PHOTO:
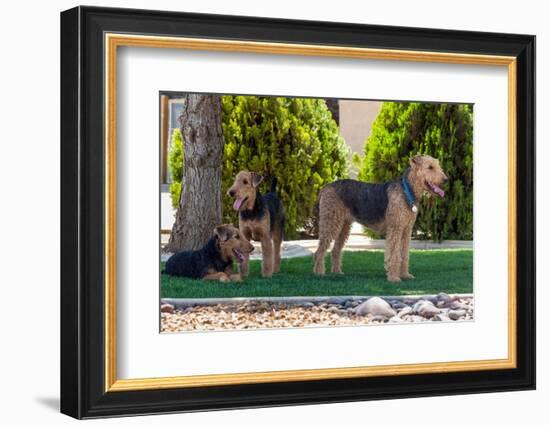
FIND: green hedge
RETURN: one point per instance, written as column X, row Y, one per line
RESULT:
column 294, row 139
column 444, row 131
column 175, row 165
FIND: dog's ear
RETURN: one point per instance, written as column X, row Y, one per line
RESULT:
column 221, row 233
column 256, row 179
column 415, row 161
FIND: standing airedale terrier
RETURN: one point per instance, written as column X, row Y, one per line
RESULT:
column 261, row 218
column 387, row 208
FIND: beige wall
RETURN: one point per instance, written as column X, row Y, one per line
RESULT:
column 356, row 118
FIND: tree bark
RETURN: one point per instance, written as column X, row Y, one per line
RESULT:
column 334, row 108
column 200, row 206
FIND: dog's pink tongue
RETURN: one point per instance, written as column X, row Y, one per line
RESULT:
column 438, row 190
column 237, row 204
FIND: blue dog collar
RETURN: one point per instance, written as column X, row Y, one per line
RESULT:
column 409, row 195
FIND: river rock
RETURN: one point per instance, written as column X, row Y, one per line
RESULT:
column 457, row 305
column 375, row 306
column 404, row 312
column 457, row 314
column 350, row 304
column 398, row 305
column 430, row 298
column 442, row 300
column 426, row 309
column 337, row 300
column 167, row 308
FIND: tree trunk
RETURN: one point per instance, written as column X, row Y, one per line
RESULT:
column 200, row 207
column 334, row 108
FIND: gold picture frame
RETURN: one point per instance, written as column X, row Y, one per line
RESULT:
column 114, row 41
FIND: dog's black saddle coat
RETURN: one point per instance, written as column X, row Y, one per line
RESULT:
column 195, row 264
column 367, row 202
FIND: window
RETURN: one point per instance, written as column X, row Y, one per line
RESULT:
column 171, row 110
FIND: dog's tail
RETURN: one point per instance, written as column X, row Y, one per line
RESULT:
column 273, row 184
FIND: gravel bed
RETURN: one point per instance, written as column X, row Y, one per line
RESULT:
column 340, row 311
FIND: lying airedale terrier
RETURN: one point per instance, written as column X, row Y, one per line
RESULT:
column 261, row 218
column 215, row 260
column 387, row 208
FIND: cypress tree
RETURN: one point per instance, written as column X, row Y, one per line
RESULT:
column 293, row 139
column 444, row 131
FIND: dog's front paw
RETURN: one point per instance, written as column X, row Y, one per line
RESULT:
column 407, row 276
column 224, row 278
column 243, row 269
column 319, row 269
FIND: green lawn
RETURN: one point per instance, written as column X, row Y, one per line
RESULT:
column 436, row 271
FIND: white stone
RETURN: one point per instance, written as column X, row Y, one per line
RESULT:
column 375, row 306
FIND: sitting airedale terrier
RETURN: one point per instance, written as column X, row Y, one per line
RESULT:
column 387, row 208
column 215, row 260
column 261, row 218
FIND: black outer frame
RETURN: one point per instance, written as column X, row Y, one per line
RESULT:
column 82, row 207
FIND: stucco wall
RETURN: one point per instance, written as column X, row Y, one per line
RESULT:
column 356, row 118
